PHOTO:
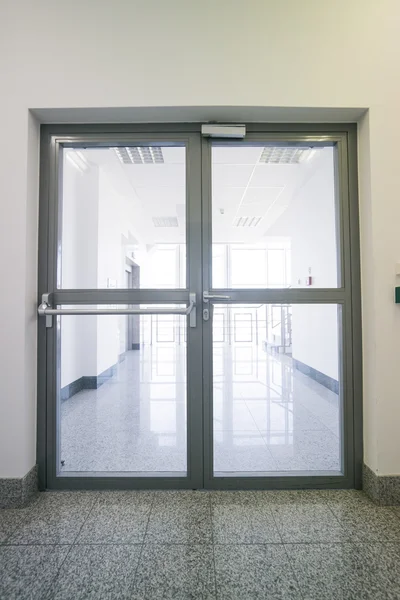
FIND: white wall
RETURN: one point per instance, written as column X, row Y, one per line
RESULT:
column 78, row 268
column 95, row 222
column 253, row 53
column 315, row 337
column 115, row 216
column 310, row 224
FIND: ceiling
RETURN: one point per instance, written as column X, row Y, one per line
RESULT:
column 248, row 197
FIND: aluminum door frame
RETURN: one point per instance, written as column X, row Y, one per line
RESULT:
column 348, row 296
column 53, row 139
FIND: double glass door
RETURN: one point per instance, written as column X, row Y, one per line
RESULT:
column 197, row 310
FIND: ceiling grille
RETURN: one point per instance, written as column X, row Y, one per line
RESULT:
column 139, row 155
column 246, row 221
column 165, row 221
column 278, row 155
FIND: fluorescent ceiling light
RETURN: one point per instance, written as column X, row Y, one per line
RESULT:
column 246, row 221
column 77, row 159
column 281, row 155
column 139, row 155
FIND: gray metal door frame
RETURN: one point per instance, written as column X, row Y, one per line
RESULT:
column 344, row 139
column 199, row 370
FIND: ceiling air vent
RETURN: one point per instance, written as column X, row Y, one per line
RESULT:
column 279, row 155
column 246, row 221
column 139, row 155
column 165, row 221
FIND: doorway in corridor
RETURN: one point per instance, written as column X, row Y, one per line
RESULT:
column 199, row 308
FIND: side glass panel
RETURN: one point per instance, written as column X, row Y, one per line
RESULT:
column 274, row 217
column 123, row 207
column 121, row 395
column 277, row 402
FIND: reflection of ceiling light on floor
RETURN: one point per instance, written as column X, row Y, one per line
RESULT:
column 165, row 222
column 139, row 155
column 77, row 159
column 246, row 221
column 279, row 155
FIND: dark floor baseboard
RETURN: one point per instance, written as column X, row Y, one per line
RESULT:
column 325, row 380
column 384, row 489
column 87, row 382
column 15, row 493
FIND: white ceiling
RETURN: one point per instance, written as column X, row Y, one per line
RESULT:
column 241, row 187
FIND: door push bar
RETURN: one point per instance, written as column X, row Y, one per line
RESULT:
column 45, row 310
column 207, row 296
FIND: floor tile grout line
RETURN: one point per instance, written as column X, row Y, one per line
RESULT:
column 52, row 589
column 213, row 546
column 132, row 587
column 286, row 553
column 30, row 503
column 262, row 437
column 350, row 540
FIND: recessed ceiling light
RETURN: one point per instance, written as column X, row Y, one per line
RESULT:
column 281, row 155
column 246, row 221
column 139, row 155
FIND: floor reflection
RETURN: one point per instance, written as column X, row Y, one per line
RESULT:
column 268, row 417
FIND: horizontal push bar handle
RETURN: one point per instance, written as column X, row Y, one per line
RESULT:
column 46, row 310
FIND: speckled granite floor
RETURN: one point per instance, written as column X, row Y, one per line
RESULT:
column 268, row 416
column 200, row 545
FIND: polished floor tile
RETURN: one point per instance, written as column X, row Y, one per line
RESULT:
column 293, row 498
column 243, row 452
column 396, row 510
column 268, row 417
column 285, row 416
column 180, row 518
column 346, row 498
column 9, row 520
column 254, row 572
column 53, row 518
column 233, row 416
column 97, row 573
column 117, row 518
column 173, row 571
column 308, row 523
column 242, row 518
column 368, row 522
column 303, row 450
column 347, row 571
column 27, row 572
column 305, row 545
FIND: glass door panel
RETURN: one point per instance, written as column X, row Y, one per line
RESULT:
column 274, row 216
column 123, row 205
column 121, row 395
column 277, row 402
column 275, row 309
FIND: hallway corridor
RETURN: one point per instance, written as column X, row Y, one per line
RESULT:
column 268, row 416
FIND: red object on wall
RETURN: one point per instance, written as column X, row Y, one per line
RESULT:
column 309, row 280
